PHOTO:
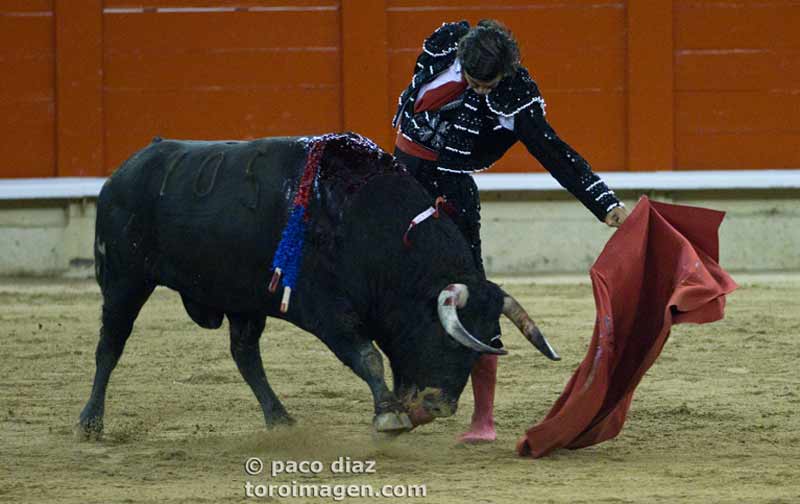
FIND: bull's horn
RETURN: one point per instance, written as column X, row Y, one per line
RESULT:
column 452, row 297
column 517, row 314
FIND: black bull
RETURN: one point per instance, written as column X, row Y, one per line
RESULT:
column 205, row 219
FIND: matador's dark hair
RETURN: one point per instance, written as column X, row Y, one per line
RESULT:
column 488, row 50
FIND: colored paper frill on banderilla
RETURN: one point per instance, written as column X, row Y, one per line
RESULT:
column 658, row 269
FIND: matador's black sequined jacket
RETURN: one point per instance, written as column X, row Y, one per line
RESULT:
column 467, row 133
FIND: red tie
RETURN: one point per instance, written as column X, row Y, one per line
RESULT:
column 435, row 98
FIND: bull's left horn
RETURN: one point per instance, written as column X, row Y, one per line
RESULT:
column 452, row 297
column 517, row 314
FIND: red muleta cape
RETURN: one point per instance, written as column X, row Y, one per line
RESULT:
column 658, row 269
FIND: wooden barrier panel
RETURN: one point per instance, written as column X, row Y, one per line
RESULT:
column 655, row 85
column 651, row 104
column 365, row 70
column 219, row 70
column 27, row 89
column 79, row 88
column 737, row 79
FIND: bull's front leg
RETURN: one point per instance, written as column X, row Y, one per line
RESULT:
column 366, row 362
column 389, row 414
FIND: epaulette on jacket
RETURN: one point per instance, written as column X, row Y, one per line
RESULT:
column 445, row 39
column 438, row 53
column 514, row 94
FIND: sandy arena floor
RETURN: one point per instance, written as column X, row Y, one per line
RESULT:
column 714, row 421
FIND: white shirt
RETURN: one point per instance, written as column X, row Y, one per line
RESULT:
column 453, row 74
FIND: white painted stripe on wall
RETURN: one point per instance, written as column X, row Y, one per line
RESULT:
column 659, row 180
column 50, row 188
column 89, row 187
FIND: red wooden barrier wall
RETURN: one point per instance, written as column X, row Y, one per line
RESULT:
column 737, row 84
column 27, row 89
column 632, row 85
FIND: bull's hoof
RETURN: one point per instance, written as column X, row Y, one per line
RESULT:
column 89, row 429
column 391, row 422
column 280, row 421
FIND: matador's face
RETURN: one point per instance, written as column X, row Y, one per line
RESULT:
column 482, row 87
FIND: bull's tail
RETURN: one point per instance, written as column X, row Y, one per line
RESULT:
column 120, row 242
column 100, row 238
column 124, row 207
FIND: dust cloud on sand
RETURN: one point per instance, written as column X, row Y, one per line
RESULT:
column 715, row 419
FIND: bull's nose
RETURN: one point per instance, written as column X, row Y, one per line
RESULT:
column 420, row 416
column 440, row 407
column 430, row 409
column 437, row 403
column 426, row 405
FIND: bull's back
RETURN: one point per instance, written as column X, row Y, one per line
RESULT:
column 209, row 213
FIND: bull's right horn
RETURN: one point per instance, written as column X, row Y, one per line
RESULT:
column 452, row 297
column 517, row 314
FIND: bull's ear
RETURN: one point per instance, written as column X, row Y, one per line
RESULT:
column 494, row 296
column 496, row 289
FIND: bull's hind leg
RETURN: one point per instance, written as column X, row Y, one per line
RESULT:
column 121, row 304
column 246, row 331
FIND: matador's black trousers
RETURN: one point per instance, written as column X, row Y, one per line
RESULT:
column 459, row 190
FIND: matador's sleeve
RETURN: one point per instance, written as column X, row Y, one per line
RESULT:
column 517, row 102
column 568, row 167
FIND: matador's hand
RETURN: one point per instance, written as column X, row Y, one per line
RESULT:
column 616, row 217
